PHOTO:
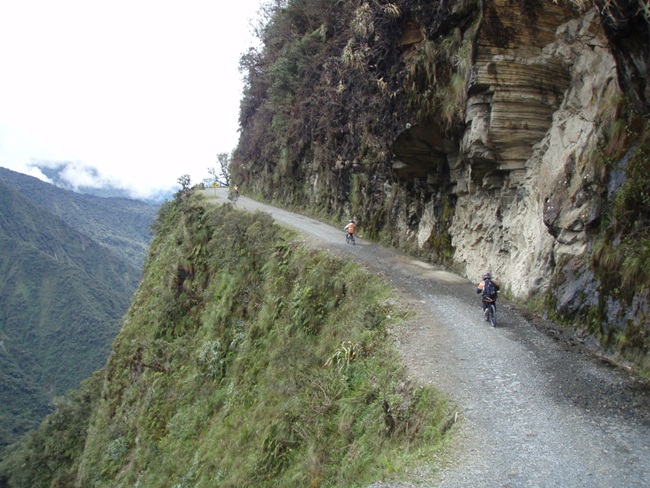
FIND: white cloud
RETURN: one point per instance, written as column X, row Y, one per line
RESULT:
column 142, row 90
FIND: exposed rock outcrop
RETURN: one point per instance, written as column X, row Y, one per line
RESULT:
column 515, row 89
column 539, row 210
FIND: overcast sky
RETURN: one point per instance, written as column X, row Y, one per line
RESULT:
column 144, row 91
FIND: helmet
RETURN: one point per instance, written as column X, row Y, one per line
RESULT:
column 487, row 276
column 351, row 222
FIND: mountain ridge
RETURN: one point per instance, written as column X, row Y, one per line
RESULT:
column 128, row 219
column 248, row 358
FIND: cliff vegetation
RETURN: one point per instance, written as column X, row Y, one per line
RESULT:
column 244, row 360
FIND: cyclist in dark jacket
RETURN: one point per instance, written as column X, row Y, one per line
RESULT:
column 489, row 288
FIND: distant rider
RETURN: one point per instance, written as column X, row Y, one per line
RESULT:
column 350, row 228
column 489, row 288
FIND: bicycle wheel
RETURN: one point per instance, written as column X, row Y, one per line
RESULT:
column 352, row 239
column 492, row 315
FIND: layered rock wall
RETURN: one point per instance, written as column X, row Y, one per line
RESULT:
column 515, row 87
column 533, row 117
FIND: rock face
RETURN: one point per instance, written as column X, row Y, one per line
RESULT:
column 528, row 200
column 514, row 91
column 627, row 23
column 528, row 188
column 521, row 175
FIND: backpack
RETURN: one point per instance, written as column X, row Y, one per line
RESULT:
column 489, row 290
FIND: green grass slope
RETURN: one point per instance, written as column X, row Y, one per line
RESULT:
column 244, row 360
column 62, row 297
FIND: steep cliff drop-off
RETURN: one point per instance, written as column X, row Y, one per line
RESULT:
column 246, row 359
column 503, row 136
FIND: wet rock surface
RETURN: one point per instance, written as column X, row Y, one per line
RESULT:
column 535, row 405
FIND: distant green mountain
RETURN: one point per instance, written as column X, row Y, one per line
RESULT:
column 120, row 224
column 62, row 294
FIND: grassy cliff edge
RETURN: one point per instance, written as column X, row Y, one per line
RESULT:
column 245, row 359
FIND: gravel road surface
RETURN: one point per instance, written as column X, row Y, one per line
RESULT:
column 536, row 406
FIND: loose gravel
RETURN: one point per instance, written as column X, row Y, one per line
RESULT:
column 537, row 406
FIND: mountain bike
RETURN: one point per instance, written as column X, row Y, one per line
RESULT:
column 349, row 238
column 233, row 196
column 491, row 314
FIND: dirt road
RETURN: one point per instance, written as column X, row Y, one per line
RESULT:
column 534, row 411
